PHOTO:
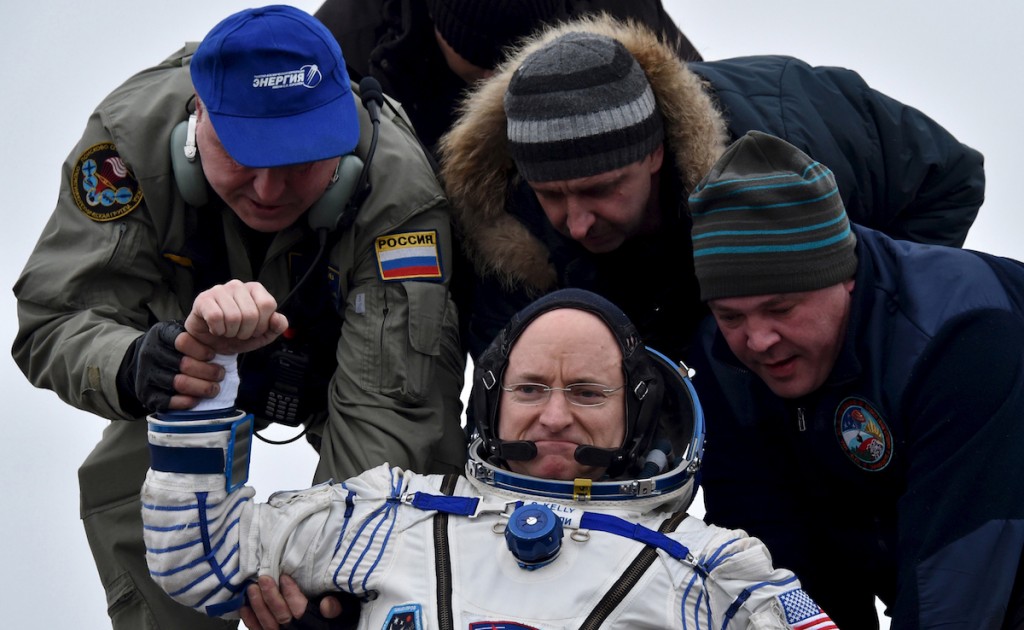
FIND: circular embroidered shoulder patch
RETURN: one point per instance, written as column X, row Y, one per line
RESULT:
column 863, row 434
column 102, row 185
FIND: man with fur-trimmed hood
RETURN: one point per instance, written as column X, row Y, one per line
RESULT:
column 571, row 166
column 425, row 53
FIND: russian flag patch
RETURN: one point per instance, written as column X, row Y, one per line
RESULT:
column 408, row 256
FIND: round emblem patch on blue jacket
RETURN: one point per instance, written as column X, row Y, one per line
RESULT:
column 863, row 434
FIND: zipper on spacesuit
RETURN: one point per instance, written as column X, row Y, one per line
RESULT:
column 443, row 560
column 801, row 419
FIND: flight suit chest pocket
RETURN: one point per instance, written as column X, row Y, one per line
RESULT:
column 412, row 336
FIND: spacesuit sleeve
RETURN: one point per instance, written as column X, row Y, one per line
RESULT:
column 206, row 538
column 196, row 508
column 746, row 591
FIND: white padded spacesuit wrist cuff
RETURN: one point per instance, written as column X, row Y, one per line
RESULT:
column 202, row 443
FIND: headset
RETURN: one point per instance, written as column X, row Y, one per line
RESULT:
column 334, row 212
column 335, row 209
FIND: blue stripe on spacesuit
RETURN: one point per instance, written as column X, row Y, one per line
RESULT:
column 745, row 595
column 183, row 508
column 209, row 556
column 350, row 506
column 702, row 567
column 382, row 521
column 231, row 605
column 210, row 550
column 380, row 516
column 622, row 527
column 225, row 586
column 461, row 506
column 393, row 509
column 697, row 605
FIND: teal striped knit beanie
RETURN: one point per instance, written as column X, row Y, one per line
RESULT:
column 768, row 219
column 578, row 107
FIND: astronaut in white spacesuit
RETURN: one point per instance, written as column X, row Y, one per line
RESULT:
column 571, row 513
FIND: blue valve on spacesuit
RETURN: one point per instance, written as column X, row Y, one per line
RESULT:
column 533, row 535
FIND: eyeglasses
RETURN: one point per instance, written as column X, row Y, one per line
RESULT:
column 579, row 394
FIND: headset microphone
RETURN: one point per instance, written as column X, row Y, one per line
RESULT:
column 327, row 215
column 372, row 96
column 659, row 459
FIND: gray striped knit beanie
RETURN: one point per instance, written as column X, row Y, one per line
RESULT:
column 768, row 219
column 580, row 106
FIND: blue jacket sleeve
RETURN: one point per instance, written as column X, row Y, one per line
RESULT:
column 961, row 517
column 899, row 171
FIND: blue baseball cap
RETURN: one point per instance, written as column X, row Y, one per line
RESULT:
column 274, row 84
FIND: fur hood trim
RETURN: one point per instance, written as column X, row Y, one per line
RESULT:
column 478, row 172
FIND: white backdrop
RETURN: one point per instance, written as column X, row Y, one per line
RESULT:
column 958, row 63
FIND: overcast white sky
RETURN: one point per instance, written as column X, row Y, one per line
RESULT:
column 959, row 62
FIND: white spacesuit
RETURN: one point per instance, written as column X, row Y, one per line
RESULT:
column 491, row 549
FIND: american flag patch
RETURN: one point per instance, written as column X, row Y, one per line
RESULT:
column 802, row 613
column 408, row 256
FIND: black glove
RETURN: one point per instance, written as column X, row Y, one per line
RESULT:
column 313, row 620
column 145, row 380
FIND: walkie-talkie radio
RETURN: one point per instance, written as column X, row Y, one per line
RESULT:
column 287, row 381
column 289, row 367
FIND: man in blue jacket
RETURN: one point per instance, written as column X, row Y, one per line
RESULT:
column 863, row 397
column 570, row 167
column 426, row 53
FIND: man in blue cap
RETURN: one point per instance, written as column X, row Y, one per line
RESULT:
column 244, row 166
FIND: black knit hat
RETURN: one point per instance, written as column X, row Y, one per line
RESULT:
column 580, row 106
column 768, row 219
column 644, row 389
column 478, row 30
